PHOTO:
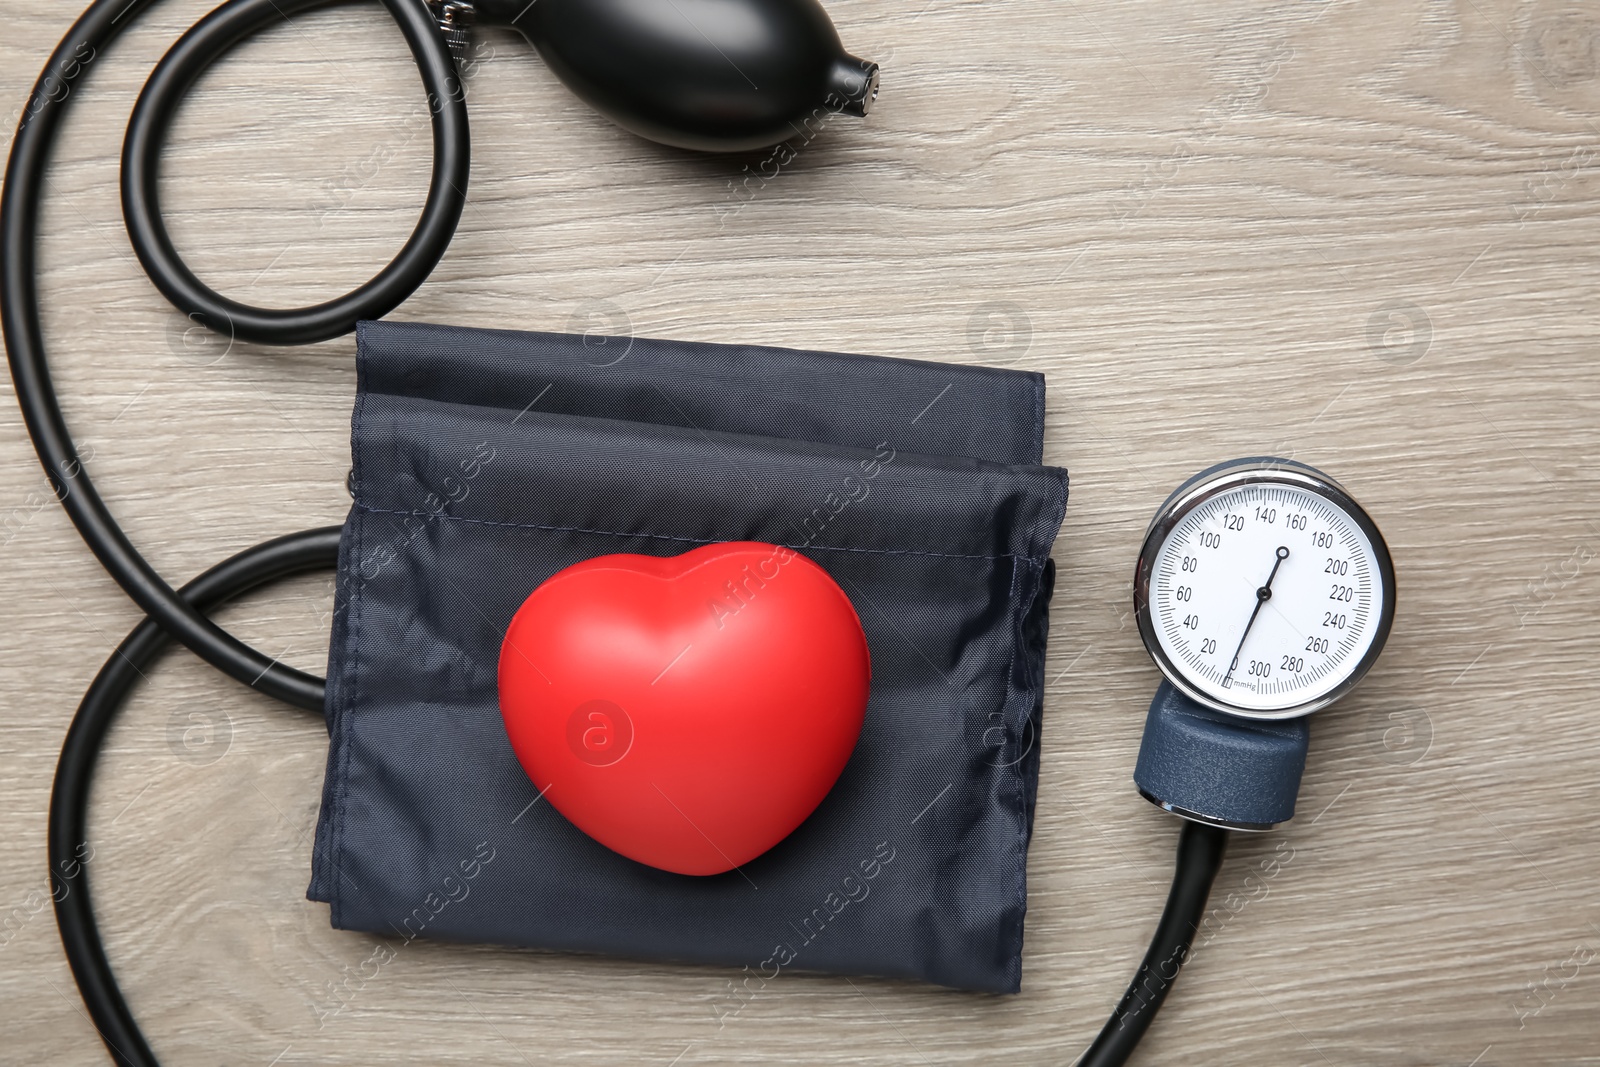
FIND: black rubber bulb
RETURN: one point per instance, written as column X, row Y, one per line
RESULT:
column 712, row 75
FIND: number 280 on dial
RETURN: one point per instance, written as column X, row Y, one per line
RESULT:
column 1263, row 589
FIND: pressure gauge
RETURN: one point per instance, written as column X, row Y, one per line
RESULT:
column 1263, row 590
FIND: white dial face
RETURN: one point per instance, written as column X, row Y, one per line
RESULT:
column 1266, row 596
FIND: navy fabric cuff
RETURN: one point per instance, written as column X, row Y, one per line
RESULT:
column 485, row 461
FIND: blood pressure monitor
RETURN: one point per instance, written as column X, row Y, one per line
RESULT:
column 1263, row 590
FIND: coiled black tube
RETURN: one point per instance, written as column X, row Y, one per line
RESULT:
column 196, row 50
column 78, row 51
column 69, row 796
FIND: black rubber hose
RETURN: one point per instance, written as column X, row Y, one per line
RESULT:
column 78, row 51
column 70, row 857
column 205, row 42
column 1200, row 852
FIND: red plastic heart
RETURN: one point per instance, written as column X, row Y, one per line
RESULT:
column 688, row 712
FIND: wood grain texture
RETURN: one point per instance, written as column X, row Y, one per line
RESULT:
column 1363, row 234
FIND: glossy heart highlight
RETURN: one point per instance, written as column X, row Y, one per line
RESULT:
column 687, row 712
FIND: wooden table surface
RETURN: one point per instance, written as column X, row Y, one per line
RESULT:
column 1359, row 234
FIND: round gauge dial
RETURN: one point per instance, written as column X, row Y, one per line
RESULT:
column 1263, row 589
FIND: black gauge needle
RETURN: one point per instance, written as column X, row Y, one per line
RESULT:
column 1263, row 595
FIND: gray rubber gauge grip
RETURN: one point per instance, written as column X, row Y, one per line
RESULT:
column 1220, row 769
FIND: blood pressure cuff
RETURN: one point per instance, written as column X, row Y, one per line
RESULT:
column 486, row 461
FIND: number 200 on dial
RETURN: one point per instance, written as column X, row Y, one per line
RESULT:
column 1263, row 589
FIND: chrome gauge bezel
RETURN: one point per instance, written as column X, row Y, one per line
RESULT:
column 1224, row 478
